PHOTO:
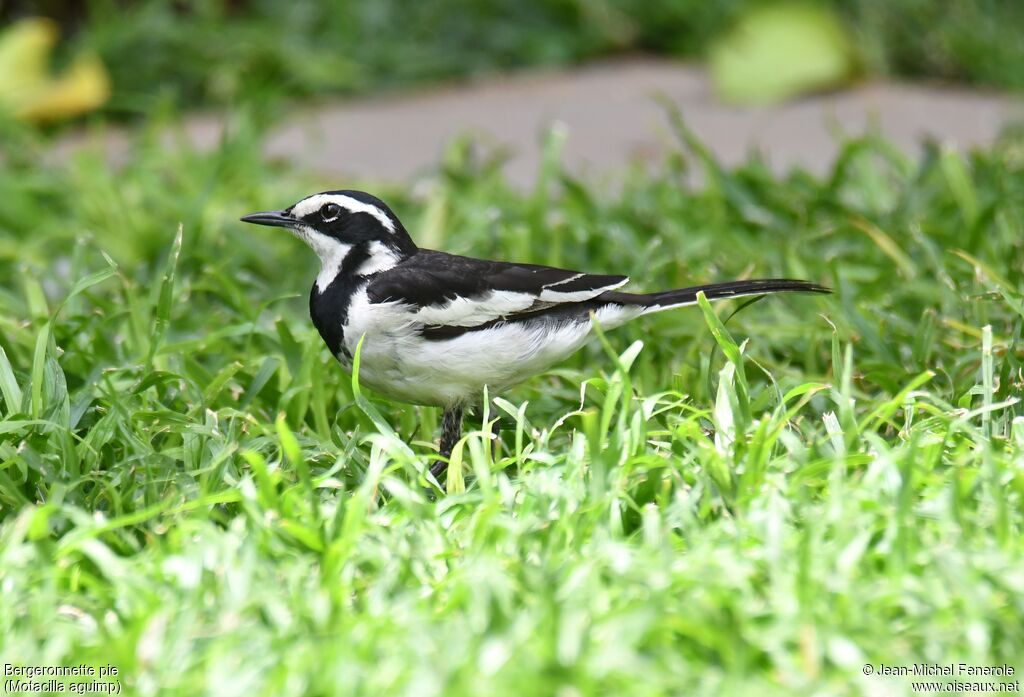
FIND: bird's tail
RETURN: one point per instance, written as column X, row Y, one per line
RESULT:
column 666, row 300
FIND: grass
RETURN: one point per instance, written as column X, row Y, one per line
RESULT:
column 193, row 492
column 260, row 52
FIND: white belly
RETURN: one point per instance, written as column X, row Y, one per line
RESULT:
column 398, row 362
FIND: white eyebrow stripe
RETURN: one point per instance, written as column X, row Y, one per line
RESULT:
column 313, row 203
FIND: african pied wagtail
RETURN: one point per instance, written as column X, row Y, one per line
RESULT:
column 439, row 327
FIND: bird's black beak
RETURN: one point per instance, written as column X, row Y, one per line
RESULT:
column 272, row 218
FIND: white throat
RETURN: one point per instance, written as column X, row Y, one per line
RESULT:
column 332, row 253
column 330, row 265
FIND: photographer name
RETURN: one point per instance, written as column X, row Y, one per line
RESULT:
column 946, row 669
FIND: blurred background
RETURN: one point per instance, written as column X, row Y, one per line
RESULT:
column 378, row 89
column 193, row 53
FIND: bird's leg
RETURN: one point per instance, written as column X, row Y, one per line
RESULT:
column 451, row 430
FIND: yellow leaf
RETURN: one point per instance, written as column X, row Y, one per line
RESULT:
column 24, row 57
column 85, row 86
column 780, row 51
column 28, row 91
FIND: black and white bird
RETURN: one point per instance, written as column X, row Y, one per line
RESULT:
column 439, row 327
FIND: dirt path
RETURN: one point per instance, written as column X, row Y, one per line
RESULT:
column 612, row 118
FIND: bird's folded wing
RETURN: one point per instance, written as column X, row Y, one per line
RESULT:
column 444, row 290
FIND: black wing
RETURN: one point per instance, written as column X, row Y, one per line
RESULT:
column 430, row 279
column 452, row 294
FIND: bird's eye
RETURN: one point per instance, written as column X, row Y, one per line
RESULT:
column 330, row 211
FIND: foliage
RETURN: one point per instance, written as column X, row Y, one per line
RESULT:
column 780, row 52
column 189, row 487
column 227, row 51
column 30, row 92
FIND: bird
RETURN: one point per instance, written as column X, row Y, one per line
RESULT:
column 437, row 328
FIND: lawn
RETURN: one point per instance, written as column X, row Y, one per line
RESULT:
column 193, row 492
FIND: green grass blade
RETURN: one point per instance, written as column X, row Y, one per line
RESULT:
column 165, row 299
column 9, row 388
column 733, row 353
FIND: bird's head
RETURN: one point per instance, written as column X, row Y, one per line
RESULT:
column 350, row 228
